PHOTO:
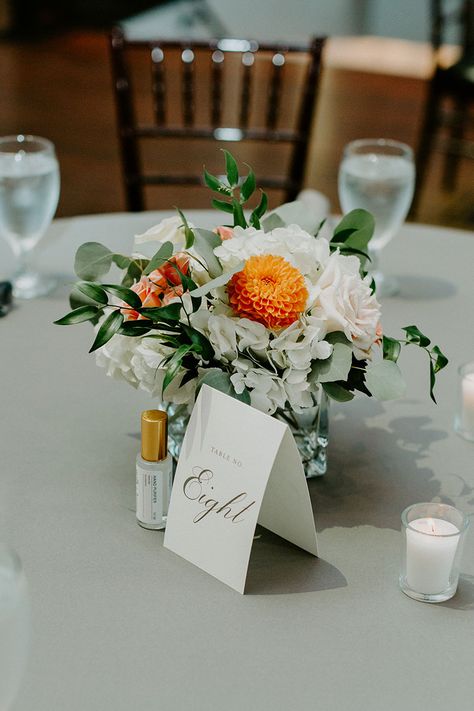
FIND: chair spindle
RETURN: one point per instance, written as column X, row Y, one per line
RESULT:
column 158, row 85
column 248, row 60
column 187, row 60
column 217, row 59
column 273, row 107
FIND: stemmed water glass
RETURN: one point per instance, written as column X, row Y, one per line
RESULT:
column 29, row 193
column 14, row 626
column 379, row 176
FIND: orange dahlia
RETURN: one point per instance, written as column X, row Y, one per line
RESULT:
column 268, row 290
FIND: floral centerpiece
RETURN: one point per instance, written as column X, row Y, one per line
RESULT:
column 265, row 309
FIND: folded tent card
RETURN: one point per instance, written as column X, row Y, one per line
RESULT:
column 237, row 467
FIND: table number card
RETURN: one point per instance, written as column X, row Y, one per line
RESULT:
column 237, row 467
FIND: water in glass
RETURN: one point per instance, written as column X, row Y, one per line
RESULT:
column 378, row 175
column 29, row 193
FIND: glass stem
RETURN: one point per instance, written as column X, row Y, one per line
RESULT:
column 23, row 262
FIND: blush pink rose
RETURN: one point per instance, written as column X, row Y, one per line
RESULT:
column 224, row 232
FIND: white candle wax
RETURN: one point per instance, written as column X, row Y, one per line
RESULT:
column 467, row 416
column 431, row 548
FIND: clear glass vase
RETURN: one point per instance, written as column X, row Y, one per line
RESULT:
column 310, row 430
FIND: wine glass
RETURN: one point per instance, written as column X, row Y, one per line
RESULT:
column 379, row 176
column 29, row 193
column 14, row 626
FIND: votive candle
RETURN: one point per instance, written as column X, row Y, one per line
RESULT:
column 464, row 422
column 432, row 542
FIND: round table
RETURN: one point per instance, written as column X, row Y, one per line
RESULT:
column 120, row 623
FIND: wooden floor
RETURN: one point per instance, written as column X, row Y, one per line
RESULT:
column 60, row 88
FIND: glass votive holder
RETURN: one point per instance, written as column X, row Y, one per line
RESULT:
column 432, row 540
column 464, row 419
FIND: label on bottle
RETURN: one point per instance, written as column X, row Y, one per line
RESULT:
column 149, row 497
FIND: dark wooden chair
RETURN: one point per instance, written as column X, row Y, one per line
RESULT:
column 450, row 99
column 223, row 90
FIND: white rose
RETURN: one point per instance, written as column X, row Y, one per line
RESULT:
column 168, row 230
column 344, row 301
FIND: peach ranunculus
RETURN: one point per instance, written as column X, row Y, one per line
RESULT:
column 224, row 232
column 160, row 287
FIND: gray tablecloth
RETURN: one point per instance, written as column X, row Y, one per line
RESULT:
column 119, row 623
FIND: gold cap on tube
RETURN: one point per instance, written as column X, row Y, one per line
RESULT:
column 154, row 435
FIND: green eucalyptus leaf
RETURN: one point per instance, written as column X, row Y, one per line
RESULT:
column 337, row 337
column 134, row 272
column 109, row 327
column 337, row 392
column 121, row 261
column 432, row 382
column 162, row 256
column 414, row 335
column 93, row 291
column 82, row 313
column 221, row 381
column 205, row 243
column 231, row 169
column 127, row 295
column 355, row 230
column 334, row 368
column 218, row 281
column 441, row 360
column 248, row 186
column 391, row 348
column 92, row 261
column 349, row 251
column 384, row 380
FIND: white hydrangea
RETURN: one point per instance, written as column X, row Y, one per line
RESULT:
column 138, row 363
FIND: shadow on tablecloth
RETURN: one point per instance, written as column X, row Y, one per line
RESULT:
column 377, row 471
column 464, row 598
column 277, row 567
